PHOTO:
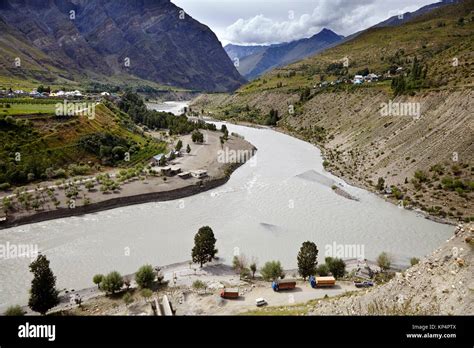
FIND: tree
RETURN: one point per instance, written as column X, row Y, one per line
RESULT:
column 253, row 268
column 322, row 270
column 112, row 282
column 179, row 145
column 14, row 311
column 272, row 270
column 380, row 184
column 145, row 276
column 89, row 185
column 162, row 161
column 188, row 149
column 43, row 293
column 414, row 261
column 204, row 246
column 336, row 266
column 384, row 261
column 307, row 259
column 97, row 279
column 197, row 137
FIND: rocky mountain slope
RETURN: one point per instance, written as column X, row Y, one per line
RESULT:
column 440, row 284
column 427, row 159
column 260, row 59
column 80, row 40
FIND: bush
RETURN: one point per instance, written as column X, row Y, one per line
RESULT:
column 272, row 270
column 14, row 311
column 4, row 186
column 198, row 284
column 145, row 276
column 384, row 261
column 197, row 137
column 322, row 270
column 112, row 282
column 146, row 293
column 127, row 298
column 336, row 266
column 97, row 279
column 414, row 261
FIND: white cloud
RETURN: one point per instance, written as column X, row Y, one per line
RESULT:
column 342, row 16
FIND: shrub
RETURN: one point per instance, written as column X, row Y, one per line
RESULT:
column 336, row 266
column 322, row 270
column 97, row 279
column 145, row 276
column 146, row 293
column 414, row 261
column 384, row 261
column 14, row 311
column 4, row 186
column 272, row 270
column 127, row 298
column 112, row 282
column 198, row 284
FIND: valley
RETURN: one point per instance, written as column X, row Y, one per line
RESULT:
column 134, row 142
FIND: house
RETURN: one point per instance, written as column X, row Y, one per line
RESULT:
column 184, row 175
column 358, row 79
column 171, row 171
column 371, row 77
column 199, row 174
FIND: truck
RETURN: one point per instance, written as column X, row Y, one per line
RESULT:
column 320, row 282
column 230, row 293
column 283, row 284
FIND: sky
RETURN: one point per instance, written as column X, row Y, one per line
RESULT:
column 248, row 22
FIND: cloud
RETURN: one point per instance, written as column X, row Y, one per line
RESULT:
column 345, row 17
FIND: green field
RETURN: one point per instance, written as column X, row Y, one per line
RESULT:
column 27, row 109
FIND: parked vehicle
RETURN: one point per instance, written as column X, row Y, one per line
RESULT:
column 364, row 284
column 230, row 293
column 260, row 302
column 320, row 282
column 283, row 284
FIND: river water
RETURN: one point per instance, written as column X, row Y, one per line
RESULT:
column 269, row 207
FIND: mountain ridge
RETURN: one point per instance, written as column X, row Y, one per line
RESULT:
column 150, row 40
column 260, row 59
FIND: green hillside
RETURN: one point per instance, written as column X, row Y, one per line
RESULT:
column 435, row 39
column 38, row 147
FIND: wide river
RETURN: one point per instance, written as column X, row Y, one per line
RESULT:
column 266, row 210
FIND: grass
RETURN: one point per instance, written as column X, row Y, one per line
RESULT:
column 27, row 109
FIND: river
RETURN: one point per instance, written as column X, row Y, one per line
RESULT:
column 266, row 210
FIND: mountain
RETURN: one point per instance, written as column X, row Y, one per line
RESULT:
column 256, row 60
column 60, row 41
column 237, row 51
column 407, row 16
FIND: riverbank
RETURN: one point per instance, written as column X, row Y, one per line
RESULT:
column 154, row 187
column 179, row 284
